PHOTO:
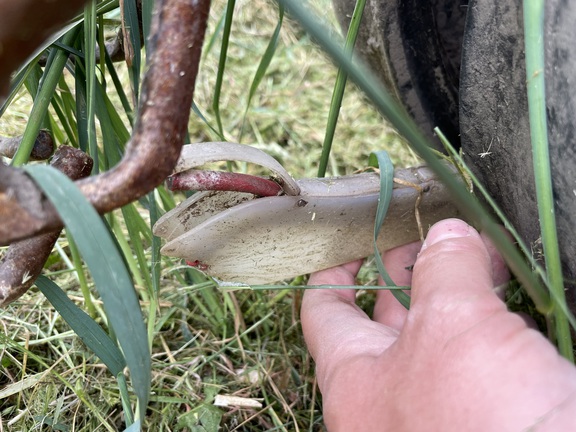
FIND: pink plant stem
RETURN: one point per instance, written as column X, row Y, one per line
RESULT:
column 223, row 181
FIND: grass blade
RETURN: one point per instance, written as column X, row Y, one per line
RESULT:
column 108, row 270
column 264, row 63
column 80, row 274
column 386, row 187
column 85, row 327
column 120, row 90
column 147, row 10
column 155, row 269
column 33, row 79
column 201, row 116
column 535, row 83
column 42, row 101
column 222, row 64
column 90, row 62
column 81, row 111
column 339, row 87
column 267, row 56
column 65, row 106
column 132, row 47
column 132, row 219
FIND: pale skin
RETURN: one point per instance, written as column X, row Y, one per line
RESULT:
column 457, row 361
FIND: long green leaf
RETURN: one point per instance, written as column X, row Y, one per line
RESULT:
column 42, row 101
column 131, row 25
column 33, row 79
column 132, row 219
column 114, row 132
column 147, row 10
column 210, row 42
column 196, row 110
column 90, row 61
column 155, row 270
column 108, row 270
column 125, row 398
column 339, row 87
column 386, row 168
column 264, row 63
column 85, row 327
column 536, row 86
column 120, row 90
column 222, row 64
column 398, row 117
column 64, row 104
column 156, row 244
column 80, row 273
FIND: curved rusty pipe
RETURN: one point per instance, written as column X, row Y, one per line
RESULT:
column 178, row 29
column 178, row 32
column 24, row 260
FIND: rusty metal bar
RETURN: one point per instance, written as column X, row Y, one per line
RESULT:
column 24, row 260
column 177, row 35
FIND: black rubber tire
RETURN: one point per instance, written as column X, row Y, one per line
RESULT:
column 414, row 47
column 494, row 117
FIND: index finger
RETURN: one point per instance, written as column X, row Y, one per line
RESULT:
column 334, row 327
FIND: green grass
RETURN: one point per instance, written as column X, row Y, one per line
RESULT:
column 203, row 341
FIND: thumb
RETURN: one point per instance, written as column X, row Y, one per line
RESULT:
column 453, row 274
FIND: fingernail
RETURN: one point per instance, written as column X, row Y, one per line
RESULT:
column 447, row 229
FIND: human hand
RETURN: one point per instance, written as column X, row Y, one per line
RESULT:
column 457, row 361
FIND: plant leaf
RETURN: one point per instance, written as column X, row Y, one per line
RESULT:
column 339, row 87
column 85, row 327
column 386, row 187
column 536, row 88
column 52, row 73
column 222, row 64
column 264, row 63
column 90, row 62
column 132, row 45
column 108, row 270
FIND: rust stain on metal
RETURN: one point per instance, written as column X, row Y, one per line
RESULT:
column 24, row 260
column 178, row 32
